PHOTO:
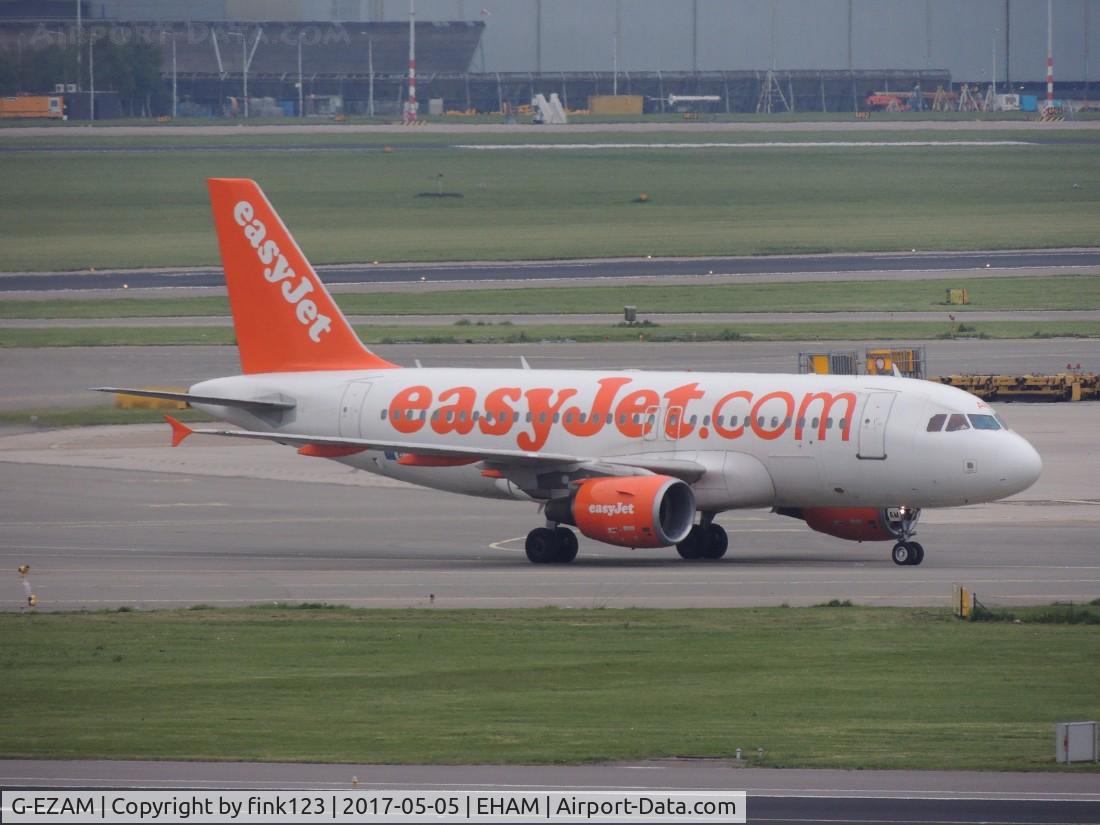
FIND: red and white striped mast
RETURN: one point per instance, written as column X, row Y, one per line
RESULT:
column 1050, row 53
column 410, row 104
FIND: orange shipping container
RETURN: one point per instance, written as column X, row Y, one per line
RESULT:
column 48, row 106
column 615, row 104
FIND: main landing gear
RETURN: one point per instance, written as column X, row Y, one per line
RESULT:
column 551, row 545
column 903, row 524
column 706, row 540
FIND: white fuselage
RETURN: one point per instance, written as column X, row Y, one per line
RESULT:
column 765, row 440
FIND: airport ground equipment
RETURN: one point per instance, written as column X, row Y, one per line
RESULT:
column 909, row 362
column 962, row 602
column 631, row 104
column 131, row 401
column 833, row 362
column 1075, row 742
column 1064, row 386
column 958, row 296
column 50, row 107
column 549, row 111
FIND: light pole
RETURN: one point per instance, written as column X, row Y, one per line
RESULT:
column 615, row 51
column 410, row 104
column 244, row 70
column 996, row 33
column 370, row 71
column 1050, row 53
column 175, row 97
column 244, row 64
column 91, row 79
column 301, row 111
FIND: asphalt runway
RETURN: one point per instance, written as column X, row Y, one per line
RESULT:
column 112, row 516
column 801, row 796
column 840, row 266
column 971, row 316
column 59, row 376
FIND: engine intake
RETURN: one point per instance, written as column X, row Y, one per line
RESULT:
column 635, row 511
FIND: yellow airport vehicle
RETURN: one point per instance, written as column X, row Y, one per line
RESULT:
column 958, row 296
column 909, row 361
column 1064, row 386
column 125, row 401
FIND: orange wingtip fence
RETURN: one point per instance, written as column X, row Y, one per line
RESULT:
column 180, row 430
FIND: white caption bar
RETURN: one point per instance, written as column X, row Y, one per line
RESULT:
column 370, row 806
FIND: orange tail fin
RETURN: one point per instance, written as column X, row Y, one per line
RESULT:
column 285, row 319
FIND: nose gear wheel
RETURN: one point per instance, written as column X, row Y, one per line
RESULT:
column 904, row 527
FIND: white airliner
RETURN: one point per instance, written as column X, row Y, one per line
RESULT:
column 628, row 458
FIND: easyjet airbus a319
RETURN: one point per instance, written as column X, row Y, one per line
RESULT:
column 634, row 458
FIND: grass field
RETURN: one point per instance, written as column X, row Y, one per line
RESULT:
column 1045, row 293
column 413, row 139
column 533, row 333
column 132, row 208
column 814, row 687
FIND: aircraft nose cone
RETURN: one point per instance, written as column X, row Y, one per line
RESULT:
column 1026, row 465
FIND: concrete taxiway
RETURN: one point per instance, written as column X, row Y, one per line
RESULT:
column 879, row 266
column 609, row 319
column 60, row 376
column 112, row 516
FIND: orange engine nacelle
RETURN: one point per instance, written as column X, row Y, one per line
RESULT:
column 636, row 511
column 852, row 523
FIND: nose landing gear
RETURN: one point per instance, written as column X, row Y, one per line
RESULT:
column 907, row 552
column 902, row 522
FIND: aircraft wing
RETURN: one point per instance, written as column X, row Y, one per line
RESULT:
column 499, row 459
column 301, row 440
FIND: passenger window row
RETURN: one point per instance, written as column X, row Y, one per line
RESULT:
column 596, row 418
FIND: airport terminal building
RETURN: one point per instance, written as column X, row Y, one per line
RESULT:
column 741, row 55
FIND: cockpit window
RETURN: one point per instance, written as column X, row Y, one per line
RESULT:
column 984, row 422
column 935, row 423
column 957, row 422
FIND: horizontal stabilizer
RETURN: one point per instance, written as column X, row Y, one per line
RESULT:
column 245, row 403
